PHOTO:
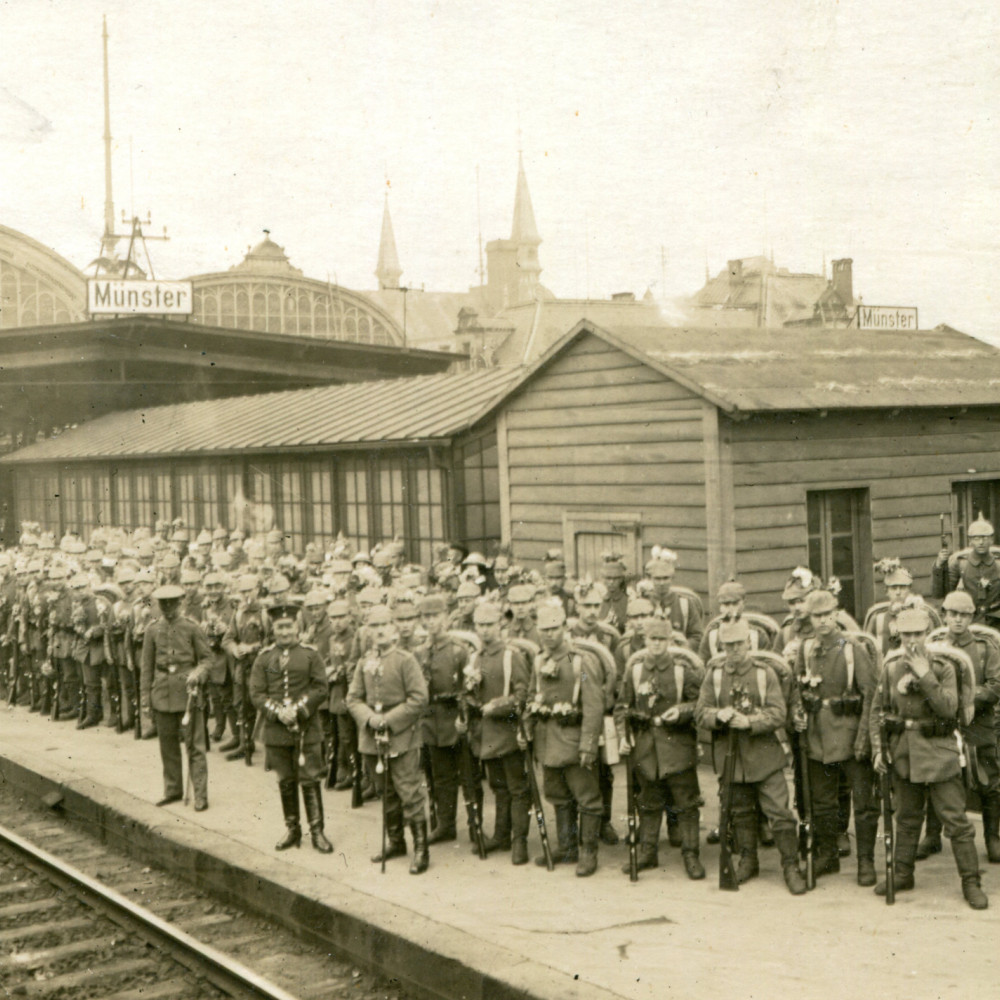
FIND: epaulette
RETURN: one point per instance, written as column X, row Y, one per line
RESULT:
column 267, row 649
column 309, row 645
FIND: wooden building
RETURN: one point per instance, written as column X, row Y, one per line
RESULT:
column 747, row 451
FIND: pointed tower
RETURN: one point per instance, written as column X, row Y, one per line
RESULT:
column 387, row 270
column 513, row 270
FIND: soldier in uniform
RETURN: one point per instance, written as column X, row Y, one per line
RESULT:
column 465, row 597
column 387, row 697
column 340, row 670
column 443, row 660
column 614, row 609
column 521, row 602
column 974, row 570
column 554, row 569
column 244, row 639
column 288, row 685
column 743, row 693
column 495, row 684
column 836, row 678
column 731, row 598
column 638, row 614
column 654, row 716
column 682, row 606
column 175, row 661
column 880, row 621
column 141, row 615
column 565, row 719
column 983, row 650
column 917, row 698
column 88, row 648
column 192, row 604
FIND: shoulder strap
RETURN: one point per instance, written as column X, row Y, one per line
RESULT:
column 637, row 662
column 508, row 658
column 717, row 683
column 762, row 685
column 685, row 606
column 679, row 679
column 713, row 642
column 849, row 660
column 577, row 676
column 808, row 645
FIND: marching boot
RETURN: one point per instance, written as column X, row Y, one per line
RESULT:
column 500, row 841
column 421, row 856
column 313, row 799
column 395, row 842
column 866, row 832
column 689, row 845
column 764, row 836
column 991, row 826
column 649, row 839
column 787, row 843
column 674, row 836
column 289, row 792
column 345, row 768
column 445, row 807
column 826, row 854
column 745, row 835
column 841, row 836
column 519, row 822
column 566, row 851
column 606, row 780
column 967, row 860
column 590, row 830
column 931, row 841
column 906, row 855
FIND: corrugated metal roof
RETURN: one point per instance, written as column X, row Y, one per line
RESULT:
column 409, row 409
column 801, row 368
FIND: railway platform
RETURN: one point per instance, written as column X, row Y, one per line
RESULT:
column 486, row 930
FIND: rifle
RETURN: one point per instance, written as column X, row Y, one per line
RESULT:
column 470, row 766
column 727, row 873
column 12, row 677
column 382, row 767
column 536, row 795
column 56, row 690
column 806, row 819
column 945, row 540
column 885, row 789
column 357, row 781
column 185, row 727
column 633, row 826
column 425, row 763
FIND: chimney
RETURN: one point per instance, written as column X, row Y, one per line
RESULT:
column 735, row 272
column 843, row 280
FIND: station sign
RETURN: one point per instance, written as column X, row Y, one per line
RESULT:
column 886, row 318
column 155, row 298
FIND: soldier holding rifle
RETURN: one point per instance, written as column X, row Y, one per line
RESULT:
column 656, row 708
column 742, row 693
column 917, row 702
column 288, row 685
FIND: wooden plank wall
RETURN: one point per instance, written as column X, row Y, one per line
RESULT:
column 597, row 430
column 907, row 460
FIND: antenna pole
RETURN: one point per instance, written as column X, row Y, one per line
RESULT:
column 479, row 226
column 109, row 210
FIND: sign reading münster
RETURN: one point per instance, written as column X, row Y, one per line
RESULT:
column 158, row 298
column 886, row 318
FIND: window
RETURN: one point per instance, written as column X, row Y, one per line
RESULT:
column 970, row 499
column 839, row 525
column 477, row 489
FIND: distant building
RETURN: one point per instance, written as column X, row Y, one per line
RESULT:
column 754, row 292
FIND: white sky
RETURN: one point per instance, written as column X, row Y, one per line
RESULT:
column 864, row 128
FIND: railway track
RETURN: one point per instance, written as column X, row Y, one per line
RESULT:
column 80, row 921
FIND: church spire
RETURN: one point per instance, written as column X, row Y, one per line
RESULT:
column 524, row 229
column 387, row 270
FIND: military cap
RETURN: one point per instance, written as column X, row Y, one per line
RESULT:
column 179, row 535
column 798, row 585
column 734, row 631
column 236, row 535
column 913, row 620
column 551, row 615
column 555, row 564
column 521, row 593
column 433, row 604
column 168, row 592
column 638, row 606
column 475, row 559
column 659, row 628
column 360, row 557
column 278, row 584
column 661, row 554
column 612, row 564
column 144, row 549
column 79, row 581
column 899, row 577
column 145, row 575
column 189, row 575
column 467, row 589
column 246, row 583
column 405, row 609
column 21, row 566
column 316, row 599
column 275, row 535
column 73, row 547
column 107, row 562
column 46, row 540
column 313, row 556
column 819, row 602
column 980, row 528
column 220, row 535
column 169, row 560
column 114, row 546
column 29, row 539
column 221, row 559
column 588, row 588
column 458, row 547
column 731, row 591
column 58, row 571
column 379, row 615
column 93, row 556
column 370, row 596
column 204, row 537
column 36, row 566
column 381, row 559
column 125, row 573
column 959, row 600
column 409, row 581
column 214, row 579
column 486, row 613
column 283, row 610
column 340, row 566
column 339, row 609
column 267, row 566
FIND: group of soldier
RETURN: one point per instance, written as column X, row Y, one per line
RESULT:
column 408, row 684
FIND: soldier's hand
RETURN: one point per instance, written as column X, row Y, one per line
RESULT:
column 377, row 723
column 587, row 760
column 942, row 557
column 739, row 721
column 522, row 743
column 671, row 715
column 461, row 726
column 624, row 747
column 879, row 763
column 724, row 715
column 860, row 755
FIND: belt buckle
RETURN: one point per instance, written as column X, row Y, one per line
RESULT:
column 171, row 669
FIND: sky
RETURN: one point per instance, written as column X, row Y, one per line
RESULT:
column 659, row 138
